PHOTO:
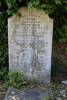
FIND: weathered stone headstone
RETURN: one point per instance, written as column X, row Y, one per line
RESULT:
column 30, row 44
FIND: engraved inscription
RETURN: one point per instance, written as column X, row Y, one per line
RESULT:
column 30, row 41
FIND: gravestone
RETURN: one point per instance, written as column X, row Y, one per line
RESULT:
column 30, row 44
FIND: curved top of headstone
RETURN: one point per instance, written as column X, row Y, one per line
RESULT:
column 23, row 11
column 30, row 43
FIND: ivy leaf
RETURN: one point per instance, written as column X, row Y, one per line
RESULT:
column 65, row 8
column 30, row 5
column 58, row 2
column 36, row 3
column 65, row 2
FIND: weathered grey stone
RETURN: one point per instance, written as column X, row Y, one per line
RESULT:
column 14, row 94
column 27, row 94
column 64, row 82
column 30, row 44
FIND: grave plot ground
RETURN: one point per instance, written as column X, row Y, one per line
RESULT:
column 32, row 92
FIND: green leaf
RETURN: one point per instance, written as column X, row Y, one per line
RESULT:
column 58, row 2
column 46, row 98
column 65, row 48
column 29, row 5
column 65, row 2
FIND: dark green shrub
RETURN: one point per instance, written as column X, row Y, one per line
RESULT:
column 16, row 79
column 3, row 45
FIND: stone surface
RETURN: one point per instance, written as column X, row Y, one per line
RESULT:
column 27, row 94
column 64, row 82
column 38, row 92
column 30, row 44
column 14, row 94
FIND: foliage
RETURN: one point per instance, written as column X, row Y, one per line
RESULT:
column 59, row 62
column 55, row 8
column 3, row 44
column 3, row 74
column 12, row 7
column 16, row 79
column 58, row 67
column 65, row 48
column 46, row 98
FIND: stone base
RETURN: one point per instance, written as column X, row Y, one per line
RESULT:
column 26, row 94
